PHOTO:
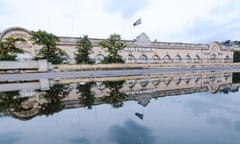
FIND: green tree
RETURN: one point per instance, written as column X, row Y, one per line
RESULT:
column 86, row 96
column 114, row 97
column 8, row 50
column 236, row 56
column 11, row 101
column 114, row 44
column 84, row 47
column 54, row 98
column 49, row 48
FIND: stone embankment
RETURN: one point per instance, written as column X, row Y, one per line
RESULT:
column 83, row 67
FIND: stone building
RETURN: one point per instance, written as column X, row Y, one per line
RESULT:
column 139, row 50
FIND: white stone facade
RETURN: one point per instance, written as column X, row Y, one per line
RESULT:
column 140, row 50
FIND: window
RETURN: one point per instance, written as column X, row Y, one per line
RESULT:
column 166, row 59
column 188, row 59
column 130, row 59
column 177, row 59
column 99, row 58
column 155, row 59
column 143, row 59
column 197, row 59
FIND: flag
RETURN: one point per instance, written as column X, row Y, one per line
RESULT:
column 139, row 115
column 138, row 22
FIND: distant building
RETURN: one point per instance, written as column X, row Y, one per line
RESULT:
column 139, row 50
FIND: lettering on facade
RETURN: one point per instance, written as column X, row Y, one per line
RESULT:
column 139, row 49
column 145, row 91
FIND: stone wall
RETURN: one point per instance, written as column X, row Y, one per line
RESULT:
column 40, row 66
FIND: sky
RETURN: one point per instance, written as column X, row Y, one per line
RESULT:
column 193, row 21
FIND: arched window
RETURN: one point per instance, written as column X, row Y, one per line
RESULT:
column 197, row 78
column 166, row 59
column 188, row 59
column 177, row 59
column 99, row 58
column 187, row 80
column 197, row 59
column 130, row 59
column 155, row 59
column 143, row 82
column 227, row 59
column 167, row 80
column 155, row 81
column 143, row 59
column 100, row 85
column 212, row 78
column 131, row 83
column 178, row 80
column 213, row 57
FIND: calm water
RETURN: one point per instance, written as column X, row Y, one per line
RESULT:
column 169, row 109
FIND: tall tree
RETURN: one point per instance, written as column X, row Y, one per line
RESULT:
column 86, row 97
column 84, row 47
column 53, row 97
column 236, row 56
column 114, row 97
column 8, row 50
column 49, row 48
column 114, row 44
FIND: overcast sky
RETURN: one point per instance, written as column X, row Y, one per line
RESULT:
column 200, row 21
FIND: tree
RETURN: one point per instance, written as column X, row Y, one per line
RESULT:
column 86, row 96
column 8, row 50
column 83, row 49
column 114, row 97
column 114, row 44
column 49, row 50
column 54, row 98
column 236, row 56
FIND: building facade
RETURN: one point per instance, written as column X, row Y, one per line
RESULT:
column 139, row 50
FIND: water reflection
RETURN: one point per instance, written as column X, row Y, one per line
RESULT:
column 10, row 138
column 138, row 134
column 114, row 96
column 65, row 94
column 171, row 108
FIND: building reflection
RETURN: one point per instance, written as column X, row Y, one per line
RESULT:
column 27, row 99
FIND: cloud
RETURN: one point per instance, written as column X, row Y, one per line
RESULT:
column 237, row 126
column 172, row 20
column 3, row 6
column 79, row 141
column 221, row 23
column 9, row 138
column 130, row 132
column 127, row 8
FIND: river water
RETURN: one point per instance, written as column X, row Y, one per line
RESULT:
column 176, row 108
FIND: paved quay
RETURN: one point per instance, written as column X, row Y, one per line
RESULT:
column 108, row 73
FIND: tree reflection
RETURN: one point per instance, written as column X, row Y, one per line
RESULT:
column 11, row 101
column 54, row 98
column 86, row 96
column 115, row 97
column 236, row 78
